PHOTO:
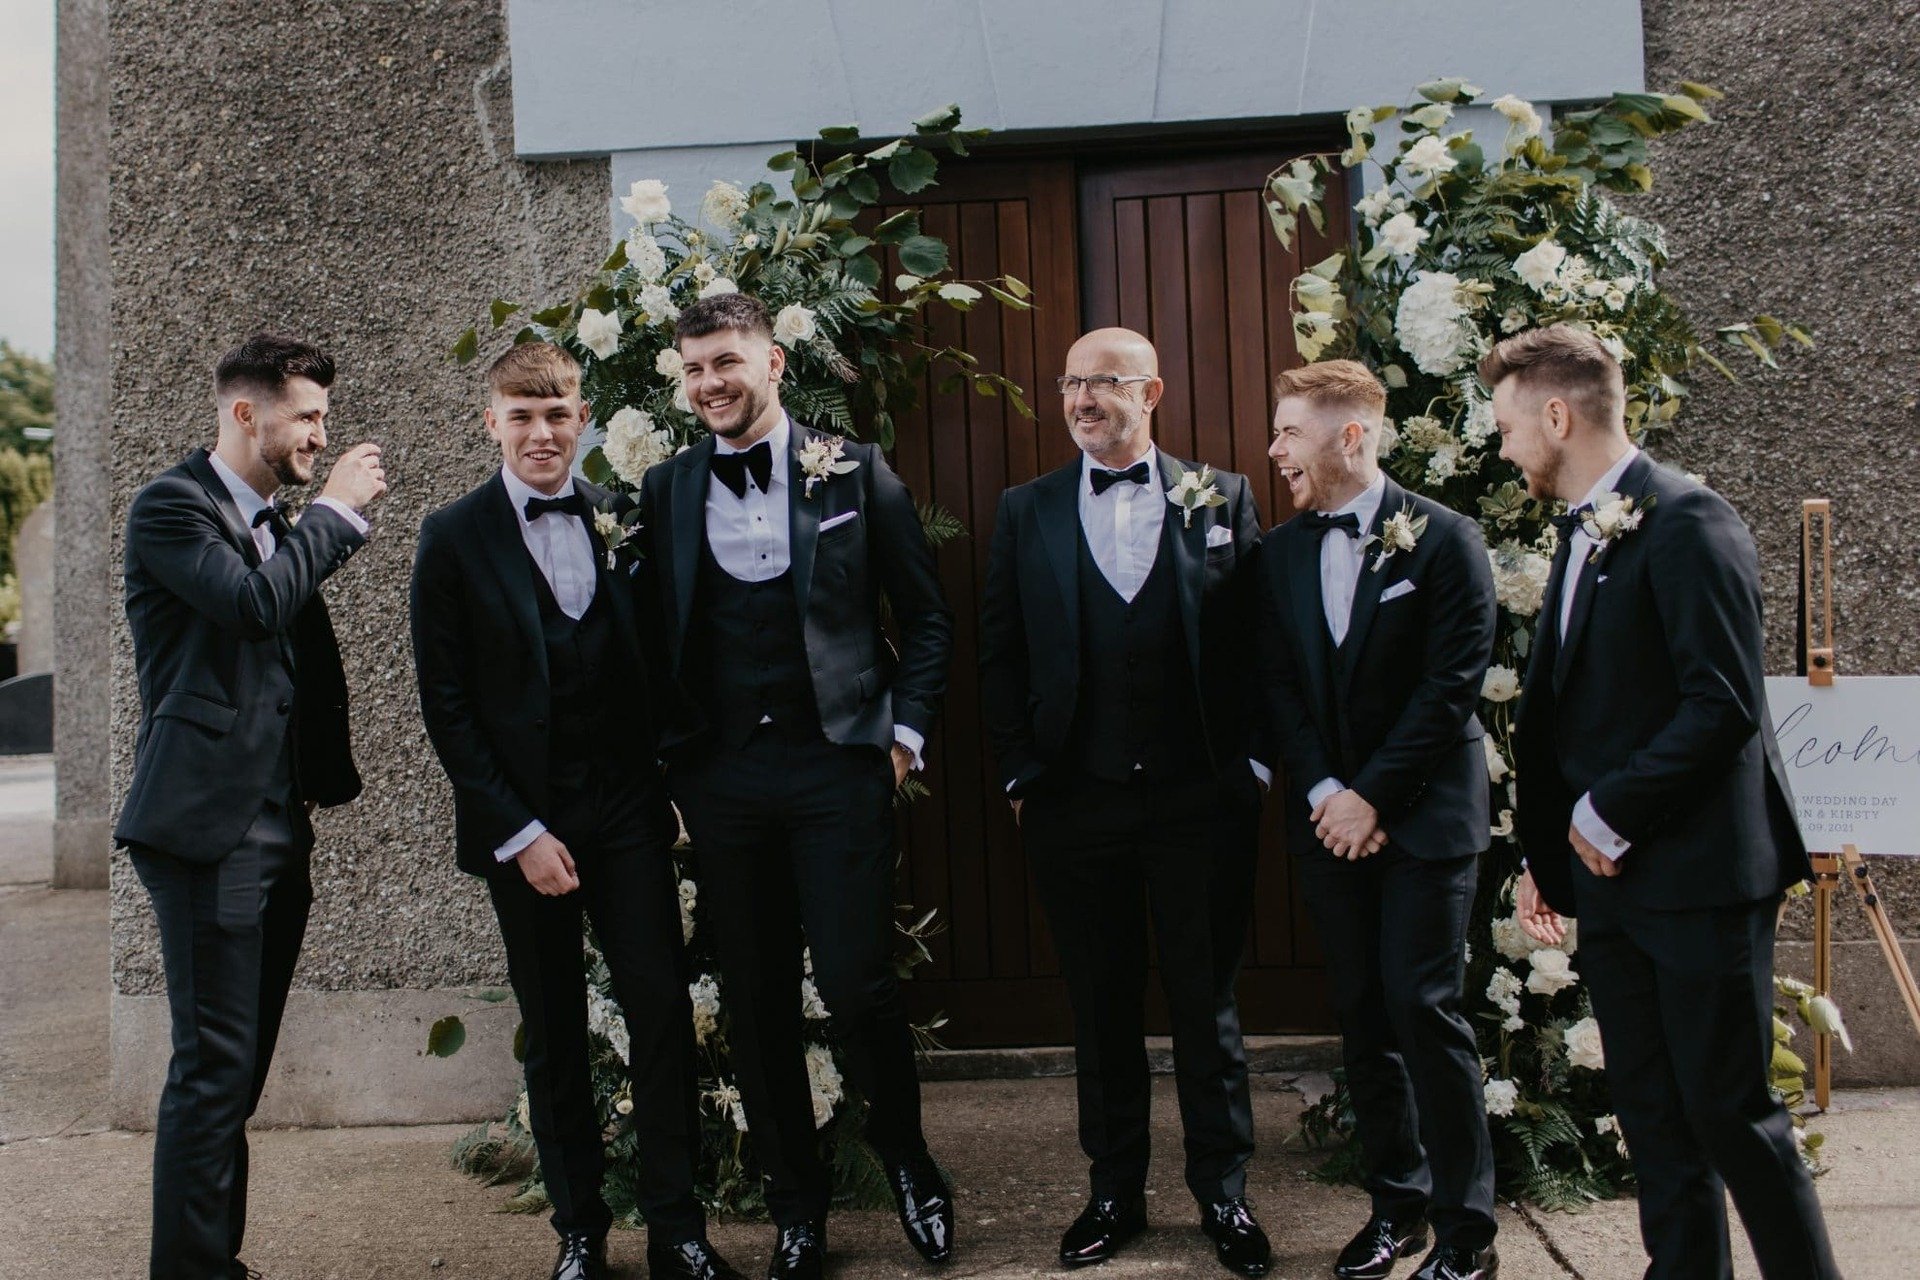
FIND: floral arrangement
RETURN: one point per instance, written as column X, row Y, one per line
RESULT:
column 1466, row 240
column 858, row 351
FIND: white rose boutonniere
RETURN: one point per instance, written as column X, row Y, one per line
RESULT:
column 821, row 457
column 616, row 536
column 1612, row 517
column 1192, row 490
column 1400, row 533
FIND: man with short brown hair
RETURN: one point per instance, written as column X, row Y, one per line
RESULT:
column 1655, row 807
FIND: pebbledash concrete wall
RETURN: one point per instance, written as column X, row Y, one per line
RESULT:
column 349, row 172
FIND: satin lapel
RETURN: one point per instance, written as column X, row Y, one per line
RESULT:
column 1189, row 544
column 506, row 549
column 1633, row 483
column 803, row 520
column 616, row 585
column 1056, row 505
column 237, row 531
column 1310, row 619
column 1546, row 633
column 689, row 518
column 1366, row 591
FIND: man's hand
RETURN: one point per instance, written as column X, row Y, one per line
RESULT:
column 548, row 866
column 1348, row 825
column 1538, row 920
column 358, row 478
column 1597, row 862
column 902, row 763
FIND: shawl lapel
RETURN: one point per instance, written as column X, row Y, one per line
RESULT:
column 1056, row 506
column 689, row 531
column 506, row 551
column 1366, row 591
column 1189, row 545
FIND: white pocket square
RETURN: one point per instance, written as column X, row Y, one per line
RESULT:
column 1218, row 536
column 834, row 522
column 1395, row 591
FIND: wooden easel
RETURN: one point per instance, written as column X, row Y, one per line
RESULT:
column 1816, row 624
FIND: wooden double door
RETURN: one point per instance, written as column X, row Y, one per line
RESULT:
column 1180, row 249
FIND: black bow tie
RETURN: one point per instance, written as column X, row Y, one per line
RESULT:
column 1104, row 479
column 567, row 504
column 732, row 469
column 1567, row 522
column 1320, row 524
column 275, row 519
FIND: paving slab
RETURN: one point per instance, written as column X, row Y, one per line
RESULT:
column 53, row 1012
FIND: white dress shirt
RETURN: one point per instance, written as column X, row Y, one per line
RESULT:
column 1341, row 560
column 252, row 504
column 1586, row 820
column 751, row 534
column 1123, row 524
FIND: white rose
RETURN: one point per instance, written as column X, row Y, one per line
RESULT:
column 1540, row 265
column 1552, row 972
column 668, row 364
column 1520, row 112
column 1583, row 1045
column 1500, row 684
column 1500, row 1096
column 646, row 201
column 645, row 256
column 1427, row 158
column 599, row 331
column 724, row 205
column 1496, row 763
column 795, row 324
column 657, row 301
column 1402, row 234
column 717, row 286
column 624, row 1106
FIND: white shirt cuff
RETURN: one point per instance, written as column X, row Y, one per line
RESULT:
column 520, row 840
column 352, row 517
column 913, row 740
column 1324, row 790
column 1261, row 772
column 1588, row 822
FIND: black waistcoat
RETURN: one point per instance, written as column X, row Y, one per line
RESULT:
column 598, row 705
column 1136, row 715
column 749, row 660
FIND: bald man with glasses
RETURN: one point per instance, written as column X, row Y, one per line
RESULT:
column 1114, row 682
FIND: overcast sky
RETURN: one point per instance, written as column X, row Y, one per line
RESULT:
column 26, row 174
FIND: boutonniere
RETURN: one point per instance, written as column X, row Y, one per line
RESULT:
column 1192, row 490
column 617, row 533
column 1612, row 518
column 1400, row 533
column 821, row 457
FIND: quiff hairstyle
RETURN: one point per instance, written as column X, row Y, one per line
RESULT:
column 538, row 370
column 1565, row 361
column 740, row 312
column 264, row 363
column 1345, row 385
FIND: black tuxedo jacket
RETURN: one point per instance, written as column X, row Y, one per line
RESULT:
column 1655, row 705
column 226, row 649
column 861, row 686
column 1390, row 712
column 1030, row 621
column 480, row 656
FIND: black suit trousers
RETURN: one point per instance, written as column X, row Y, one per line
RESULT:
column 230, row 934
column 1685, row 1005
column 629, row 892
column 1393, row 928
column 1108, row 858
column 793, row 836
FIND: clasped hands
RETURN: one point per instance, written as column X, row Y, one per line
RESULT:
column 1348, row 825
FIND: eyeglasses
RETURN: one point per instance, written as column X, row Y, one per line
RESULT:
column 1101, row 384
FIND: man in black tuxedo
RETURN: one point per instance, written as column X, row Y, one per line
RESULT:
column 791, row 721
column 243, row 731
column 1376, row 627
column 1115, row 675
column 534, row 656
column 1655, row 807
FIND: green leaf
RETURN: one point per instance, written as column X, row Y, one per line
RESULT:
column 854, row 244
column 899, row 227
column 939, row 121
column 1018, row 288
column 912, row 171
column 500, row 310
column 839, row 134
column 863, row 270
column 923, row 255
column 783, row 161
column 555, row 316
column 805, row 185
column 466, row 347
column 1450, row 89
column 1700, row 92
column 864, row 187
column 596, row 467
column 446, row 1036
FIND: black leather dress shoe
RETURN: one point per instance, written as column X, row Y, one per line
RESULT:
column 1451, row 1262
column 1107, row 1223
column 799, row 1253
column 582, row 1257
column 926, row 1207
column 1381, row 1243
column 691, row 1260
column 1238, row 1241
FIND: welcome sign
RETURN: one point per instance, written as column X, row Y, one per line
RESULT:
column 1852, row 751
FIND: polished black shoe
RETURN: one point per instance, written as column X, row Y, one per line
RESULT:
column 799, row 1253
column 1451, row 1262
column 582, row 1257
column 1238, row 1241
column 1381, row 1243
column 1106, row 1224
column 691, row 1260
column 926, row 1207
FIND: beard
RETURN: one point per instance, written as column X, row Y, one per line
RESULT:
column 288, row 467
column 753, row 403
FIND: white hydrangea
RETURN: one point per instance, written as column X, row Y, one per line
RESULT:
column 1583, row 1045
column 646, row 201
column 794, row 325
column 724, row 205
column 645, row 256
column 1500, row 1096
column 634, row 444
column 717, row 286
column 1444, row 464
column 605, row 1019
column 1511, row 941
column 657, row 301
column 1402, row 234
column 1479, row 425
column 1432, row 323
column 705, row 994
column 1500, row 684
column 1552, row 971
column 1427, row 158
column 824, row 1078
column 1519, row 577
column 1540, row 266
column 1503, row 990
column 599, row 331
